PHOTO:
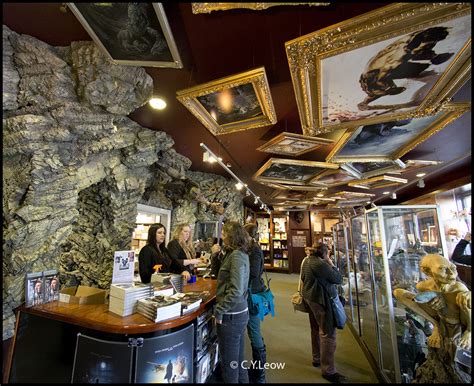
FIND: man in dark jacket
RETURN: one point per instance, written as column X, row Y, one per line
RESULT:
column 458, row 253
column 319, row 279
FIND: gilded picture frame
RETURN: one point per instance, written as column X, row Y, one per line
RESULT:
column 416, row 164
column 333, row 177
column 378, row 182
column 209, row 7
column 387, row 141
column 289, row 171
column 234, row 103
column 340, row 74
column 293, row 144
column 349, row 195
column 114, row 28
column 362, row 170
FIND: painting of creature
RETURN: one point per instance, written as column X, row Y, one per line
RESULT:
column 391, row 76
column 232, row 104
column 130, row 32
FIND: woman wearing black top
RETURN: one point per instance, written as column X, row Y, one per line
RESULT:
column 154, row 253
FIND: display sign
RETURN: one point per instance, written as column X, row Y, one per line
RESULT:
column 167, row 358
column 299, row 241
column 124, row 266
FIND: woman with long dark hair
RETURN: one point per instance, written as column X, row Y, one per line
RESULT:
column 231, row 310
column 154, row 257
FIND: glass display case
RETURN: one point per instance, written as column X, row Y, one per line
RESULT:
column 387, row 244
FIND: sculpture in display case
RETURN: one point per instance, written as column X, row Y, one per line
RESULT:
column 446, row 303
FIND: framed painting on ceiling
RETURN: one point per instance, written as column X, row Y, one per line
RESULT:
column 289, row 171
column 378, row 182
column 293, row 144
column 415, row 164
column 399, row 59
column 390, row 140
column 361, row 170
column 235, row 103
column 133, row 34
column 332, row 178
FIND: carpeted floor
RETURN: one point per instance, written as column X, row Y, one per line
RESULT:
column 288, row 341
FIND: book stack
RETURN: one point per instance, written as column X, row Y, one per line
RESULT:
column 123, row 297
column 190, row 301
column 159, row 308
column 163, row 289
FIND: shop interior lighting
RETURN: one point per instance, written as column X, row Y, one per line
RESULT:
column 239, row 182
column 394, row 196
column 421, row 175
column 157, row 103
column 421, row 183
column 386, row 193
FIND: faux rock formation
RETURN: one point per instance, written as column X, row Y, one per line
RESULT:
column 75, row 167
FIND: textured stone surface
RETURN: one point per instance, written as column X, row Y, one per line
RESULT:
column 75, row 167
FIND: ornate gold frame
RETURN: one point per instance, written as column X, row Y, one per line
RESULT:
column 449, row 112
column 355, row 195
column 395, row 167
column 257, row 77
column 316, row 180
column 167, row 34
column 315, row 141
column 378, row 182
column 272, row 161
column 209, row 7
column 415, row 164
column 306, row 53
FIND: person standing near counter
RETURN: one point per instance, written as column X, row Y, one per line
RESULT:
column 181, row 247
column 231, row 310
column 154, row 253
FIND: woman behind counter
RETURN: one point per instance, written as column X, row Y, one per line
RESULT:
column 181, row 247
column 154, row 253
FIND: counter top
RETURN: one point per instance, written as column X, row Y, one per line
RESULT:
column 98, row 317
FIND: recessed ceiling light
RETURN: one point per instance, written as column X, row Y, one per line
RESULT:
column 157, row 103
column 421, row 174
column 386, row 192
column 320, row 195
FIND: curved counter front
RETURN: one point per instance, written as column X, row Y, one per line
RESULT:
column 84, row 343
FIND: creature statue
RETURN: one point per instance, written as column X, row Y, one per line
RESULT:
column 446, row 303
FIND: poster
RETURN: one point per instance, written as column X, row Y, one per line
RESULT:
column 101, row 361
column 299, row 241
column 166, row 358
column 124, row 267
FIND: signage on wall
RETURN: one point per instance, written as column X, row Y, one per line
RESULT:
column 299, row 241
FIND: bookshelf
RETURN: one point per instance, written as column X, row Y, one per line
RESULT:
column 146, row 216
column 273, row 239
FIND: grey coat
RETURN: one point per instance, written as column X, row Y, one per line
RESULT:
column 232, row 283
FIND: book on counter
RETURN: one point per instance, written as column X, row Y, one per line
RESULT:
column 163, row 289
column 130, row 290
column 159, row 308
column 190, row 301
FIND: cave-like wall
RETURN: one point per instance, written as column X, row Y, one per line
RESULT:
column 75, row 166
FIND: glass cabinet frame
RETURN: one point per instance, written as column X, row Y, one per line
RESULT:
column 396, row 240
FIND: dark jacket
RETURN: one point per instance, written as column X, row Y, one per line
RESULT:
column 232, row 283
column 256, row 261
column 316, row 274
column 177, row 252
column 458, row 253
column 149, row 257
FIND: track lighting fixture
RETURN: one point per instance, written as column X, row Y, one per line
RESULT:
column 421, row 183
column 394, row 196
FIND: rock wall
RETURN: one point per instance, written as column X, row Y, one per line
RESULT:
column 75, row 167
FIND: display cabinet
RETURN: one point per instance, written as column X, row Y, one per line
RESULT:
column 147, row 215
column 387, row 244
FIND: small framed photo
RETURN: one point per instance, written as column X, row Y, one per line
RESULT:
column 293, row 144
column 333, row 177
column 390, row 140
column 235, row 103
column 344, row 195
column 361, row 170
column 290, row 171
column 399, row 59
column 378, row 182
column 132, row 34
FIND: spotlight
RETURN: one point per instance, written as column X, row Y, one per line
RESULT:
column 320, row 195
column 256, row 200
column 394, row 196
column 386, row 193
column 239, row 185
column 421, row 175
column 157, row 103
column 421, row 183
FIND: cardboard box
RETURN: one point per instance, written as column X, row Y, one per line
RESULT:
column 82, row 295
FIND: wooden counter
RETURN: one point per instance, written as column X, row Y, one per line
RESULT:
column 98, row 317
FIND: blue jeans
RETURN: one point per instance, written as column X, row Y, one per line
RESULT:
column 231, row 339
column 253, row 331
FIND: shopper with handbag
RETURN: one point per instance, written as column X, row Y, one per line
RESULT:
column 256, row 285
column 319, row 280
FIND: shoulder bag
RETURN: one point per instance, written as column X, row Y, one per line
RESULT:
column 261, row 303
column 337, row 310
column 297, row 298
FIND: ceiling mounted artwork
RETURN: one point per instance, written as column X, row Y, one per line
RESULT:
column 134, row 34
column 293, row 144
column 391, row 140
column 402, row 58
column 378, row 182
column 361, row 170
column 235, row 103
column 209, row 7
